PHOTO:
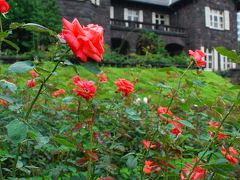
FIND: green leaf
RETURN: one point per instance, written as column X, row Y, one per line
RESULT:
column 229, row 54
column 33, row 27
column 8, row 85
column 15, row 46
column 92, row 66
column 161, row 85
column 132, row 162
column 132, row 114
column 64, row 142
column 16, row 131
column 43, row 140
column 207, row 153
column 186, row 123
column 20, row 67
column 3, row 35
column 15, row 25
column 199, row 83
column 8, row 98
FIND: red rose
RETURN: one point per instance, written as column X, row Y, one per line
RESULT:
column 163, row 111
column 125, row 86
column 198, row 172
column 84, row 41
column 85, row 89
column 231, row 155
column 198, row 56
column 58, row 93
column 31, row 83
column 102, row 78
column 33, row 74
column 4, row 6
column 215, row 126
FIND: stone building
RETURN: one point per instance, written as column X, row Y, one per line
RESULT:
column 182, row 24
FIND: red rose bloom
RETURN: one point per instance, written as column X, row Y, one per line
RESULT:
column 215, row 126
column 198, row 172
column 231, row 156
column 31, row 83
column 125, row 86
column 4, row 6
column 150, row 166
column 58, row 93
column 33, row 74
column 198, row 56
column 164, row 110
column 102, row 78
column 84, row 41
column 85, row 89
column 3, row 102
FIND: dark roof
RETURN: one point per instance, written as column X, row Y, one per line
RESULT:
column 157, row 2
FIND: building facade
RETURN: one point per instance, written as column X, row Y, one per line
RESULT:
column 182, row 24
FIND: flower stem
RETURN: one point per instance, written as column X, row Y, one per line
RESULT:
column 179, row 85
column 212, row 142
column 1, row 174
column 78, row 110
column 41, row 87
column 16, row 160
column 1, row 30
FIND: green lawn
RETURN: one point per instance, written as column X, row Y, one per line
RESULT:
column 154, row 82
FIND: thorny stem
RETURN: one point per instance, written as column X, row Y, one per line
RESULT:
column 169, row 105
column 1, row 174
column 90, row 163
column 42, row 85
column 212, row 142
column 1, row 30
column 78, row 111
column 16, row 160
column 179, row 85
column 175, row 93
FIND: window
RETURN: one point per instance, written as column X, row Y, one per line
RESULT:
column 133, row 15
column 209, row 59
column 159, row 19
column 216, row 19
column 226, row 63
column 96, row 2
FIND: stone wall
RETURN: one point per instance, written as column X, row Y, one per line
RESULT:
column 192, row 16
column 87, row 13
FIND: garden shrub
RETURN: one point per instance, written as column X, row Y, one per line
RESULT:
column 44, row 12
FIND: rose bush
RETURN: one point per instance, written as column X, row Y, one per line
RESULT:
column 54, row 129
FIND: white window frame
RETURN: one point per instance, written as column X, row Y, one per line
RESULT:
column 209, row 58
column 96, row 2
column 217, row 19
column 158, row 18
column 133, row 15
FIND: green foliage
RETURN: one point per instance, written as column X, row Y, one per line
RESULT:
column 44, row 12
column 20, row 67
column 150, row 43
column 233, row 56
column 149, row 59
column 16, row 131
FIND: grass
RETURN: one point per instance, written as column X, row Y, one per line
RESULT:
column 154, row 82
